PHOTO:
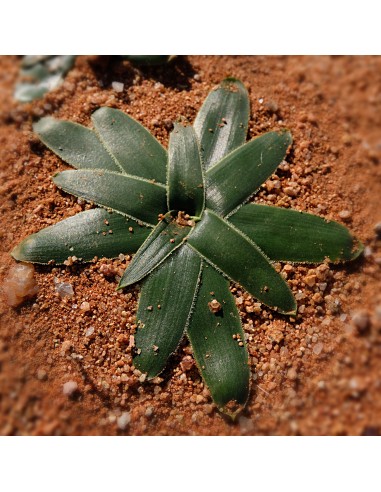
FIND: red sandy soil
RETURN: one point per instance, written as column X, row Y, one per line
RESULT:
column 318, row 375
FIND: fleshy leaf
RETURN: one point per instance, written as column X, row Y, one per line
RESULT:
column 237, row 177
column 289, row 235
column 185, row 177
column 165, row 303
column 25, row 92
column 165, row 238
column 136, row 151
column 88, row 234
column 222, row 360
column 221, row 124
column 75, row 144
column 40, row 74
column 137, row 198
column 235, row 255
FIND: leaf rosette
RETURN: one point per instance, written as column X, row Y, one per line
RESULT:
column 185, row 214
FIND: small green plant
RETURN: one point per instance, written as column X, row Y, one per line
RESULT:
column 185, row 214
column 41, row 74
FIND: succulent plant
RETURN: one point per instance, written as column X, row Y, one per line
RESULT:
column 185, row 214
column 41, row 74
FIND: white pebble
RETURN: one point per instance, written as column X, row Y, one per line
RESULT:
column 345, row 214
column 64, row 289
column 123, row 421
column 149, row 412
column 69, row 388
column 367, row 251
column 117, row 86
column 85, row 306
column 89, row 331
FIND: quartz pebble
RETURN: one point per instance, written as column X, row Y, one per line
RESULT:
column 90, row 331
column 70, row 388
column 345, row 214
column 123, row 421
column 85, row 306
column 20, row 284
column 63, row 289
column 117, row 86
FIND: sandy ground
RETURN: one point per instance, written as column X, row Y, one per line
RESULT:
column 318, row 375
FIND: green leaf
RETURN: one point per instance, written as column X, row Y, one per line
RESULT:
column 172, row 286
column 25, row 92
column 75, row 144
column 165, row 238
column 136, row 151
column 185, row 178
column 221, row 124
column 40, row 74
column 235, row 255
column 289, row 235
column 88, row 234
column 36, row 72
column 237, row 177
column 137, row 198
column 222, row 361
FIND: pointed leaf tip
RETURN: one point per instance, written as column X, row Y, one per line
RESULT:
column 217, row 339
column 222, row 122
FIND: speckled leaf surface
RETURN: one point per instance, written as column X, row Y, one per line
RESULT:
column 236, row 177
column 289, row 235
column 225, row 247
column 165, row 238
column 172, row 286
column 221, row 124
column 75, row 144
column 95, row 232
column 221, row 358
column 136, row 151
column 185, row 176
column 137, row 198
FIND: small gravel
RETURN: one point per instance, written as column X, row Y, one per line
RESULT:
column 64, row 289
column 117, row 86
column 345, row 214
column 69, row 388
column 123, row 421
